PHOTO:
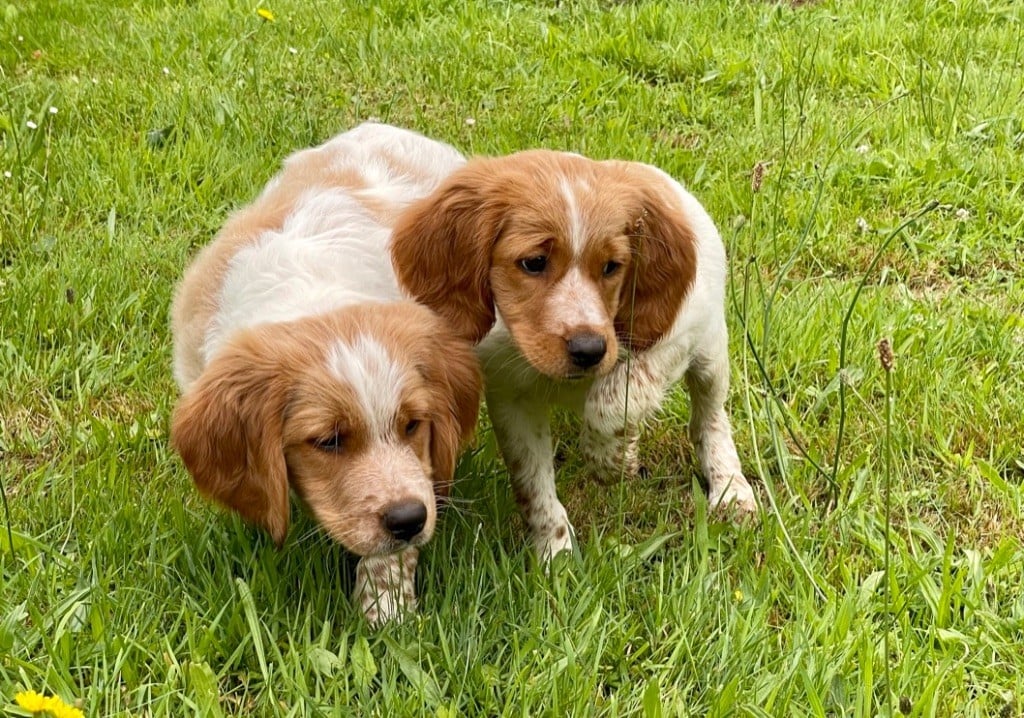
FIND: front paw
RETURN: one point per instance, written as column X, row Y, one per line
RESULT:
column 381, row 608
column 732, row 495
column 551, row 541
column 385, row 587
column 612, row 458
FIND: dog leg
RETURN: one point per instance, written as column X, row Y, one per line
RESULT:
column 386, row 585
column 711, row 435
column 612, row 417
column 523, row 430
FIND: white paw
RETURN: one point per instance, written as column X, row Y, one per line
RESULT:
column 385, row 587
column 610, row 456
column 552, row 542
column 380, row 608
column 732, row 494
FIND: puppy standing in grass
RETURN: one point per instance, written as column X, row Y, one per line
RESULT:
column 576, row 276
column 302, row 367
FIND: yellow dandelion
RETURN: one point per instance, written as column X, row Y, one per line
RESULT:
column 31, row 701
column 737, row 595
column 38, row 703
column 265, row 14
column 60, row 709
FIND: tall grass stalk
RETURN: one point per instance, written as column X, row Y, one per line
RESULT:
column 7, row 512
column 845, row 326
column 888, row 362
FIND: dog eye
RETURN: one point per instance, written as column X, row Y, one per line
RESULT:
column 412, row 426
column 534, row 265
column 610, row 268
column 333, row 443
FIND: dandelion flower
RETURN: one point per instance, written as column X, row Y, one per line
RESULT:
column 265, row 14
column 31, row 125
column 60, row 709
column 32, row 701
column 38, row 703
column 737, row 595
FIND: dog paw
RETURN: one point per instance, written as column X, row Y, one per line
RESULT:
column 385, row 587
column 548, row 544
column 386, row 607
column 733, row 495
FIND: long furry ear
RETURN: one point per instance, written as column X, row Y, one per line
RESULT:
column 228, row 430
column 664, row 264
column 441, row 249
column 452, row 372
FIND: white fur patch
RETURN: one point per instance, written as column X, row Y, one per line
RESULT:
column 575, row 302
column 331, row 251
column 577, row 238
column 375, row 378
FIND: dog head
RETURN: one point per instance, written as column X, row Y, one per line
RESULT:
column 361, row 412
column 576, row 256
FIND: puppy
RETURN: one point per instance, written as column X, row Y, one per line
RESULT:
column 593, row 285
column 303, row 368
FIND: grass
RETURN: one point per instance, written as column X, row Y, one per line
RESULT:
column 889, row 137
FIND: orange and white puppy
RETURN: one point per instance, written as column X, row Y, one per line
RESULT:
column 576, row 275
column 302, row 367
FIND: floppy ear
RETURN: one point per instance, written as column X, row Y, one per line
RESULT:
column 441, row 249
column 228, row 430
column 452, row 372
column 663, row 266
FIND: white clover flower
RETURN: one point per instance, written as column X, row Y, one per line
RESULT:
column 7, row 174
column 31, row 125
column 53, row 110
column 293, row 51
column 863, row 149
column 470, row 121
column 963, row 214
column 862, row 224
column 167, row 71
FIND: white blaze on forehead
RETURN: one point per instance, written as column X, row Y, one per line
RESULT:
column 575, row 302
column 375, row 378
column 572, row 210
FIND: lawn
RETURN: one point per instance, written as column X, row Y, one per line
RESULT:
column 865, row 163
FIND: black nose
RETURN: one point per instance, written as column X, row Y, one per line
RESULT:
column 405, row 520
column 586, row 349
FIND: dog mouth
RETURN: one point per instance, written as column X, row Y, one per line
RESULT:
column 380, row 545
column 576, row 376
column 392, row 545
